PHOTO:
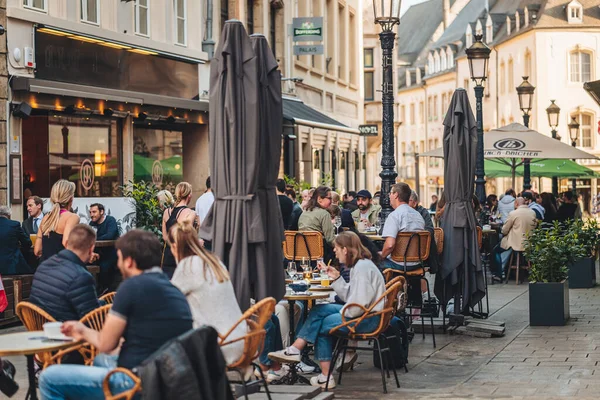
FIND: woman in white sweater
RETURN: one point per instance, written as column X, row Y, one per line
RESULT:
column 366, row 286
column 205, row 283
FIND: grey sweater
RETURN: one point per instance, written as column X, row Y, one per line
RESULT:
column 365, row 287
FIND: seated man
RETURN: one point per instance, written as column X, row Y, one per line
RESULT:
column 147, row 312
column 402, row 219
column 519, row 223
column 14, row 243
column 367, row 212
column 62, row 285
column 106, row 229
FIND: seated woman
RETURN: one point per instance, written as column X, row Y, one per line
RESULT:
column 365, row 287
column 317, row 218
column 205, row 282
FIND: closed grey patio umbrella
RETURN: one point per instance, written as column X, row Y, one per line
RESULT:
column 234, row 223
column 461, row 270
column 270, row 276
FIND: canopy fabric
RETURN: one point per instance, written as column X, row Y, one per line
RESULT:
column 461, row 272
column 270, row 276
column 517, row 141
column 234, row 222
column 539, row 168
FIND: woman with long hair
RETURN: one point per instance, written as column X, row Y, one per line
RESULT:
column 316, row 217
column 441, row 205
column 177, row 213
column 549, row 204
column 365, row 287
column 205, row 282
column 165, row 199
column 57, row 224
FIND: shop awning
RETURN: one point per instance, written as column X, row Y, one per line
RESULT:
column 296, row 112
column 20, row 83
column 593, row 88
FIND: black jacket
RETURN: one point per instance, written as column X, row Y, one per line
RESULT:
column 64, row 288
column 13, row 239
column 190, row 367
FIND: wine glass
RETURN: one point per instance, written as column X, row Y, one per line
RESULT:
column 292, row 270
column 337, row 222
column 377, row 225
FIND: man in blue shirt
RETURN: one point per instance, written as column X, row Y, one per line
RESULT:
column 147, row 312
column 106, row 229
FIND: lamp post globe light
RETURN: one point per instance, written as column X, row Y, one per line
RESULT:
column 573, row 133
column 525, row 91
column 478, row 55
column 553, row 112
column 387, row 15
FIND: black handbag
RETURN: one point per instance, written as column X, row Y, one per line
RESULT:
column 397, row 340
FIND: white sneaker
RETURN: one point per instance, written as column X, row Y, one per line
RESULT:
column 271, row 375
column 321, row 381
column 348, row 362
column 305, row 368
column 283, row 356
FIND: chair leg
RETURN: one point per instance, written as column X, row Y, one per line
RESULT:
column 518, row 268
column 430, row 315
column 336, row 354
column 510, row 260
column 264, row 381
column 243, row 383
column 391, row 363
column 343, row 359
column 382, row 365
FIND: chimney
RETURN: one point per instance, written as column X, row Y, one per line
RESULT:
column 446, row 13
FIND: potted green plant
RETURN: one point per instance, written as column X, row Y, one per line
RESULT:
column 148, row 214
column 550, row 252
column 582, row 272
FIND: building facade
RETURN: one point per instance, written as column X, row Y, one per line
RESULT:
column 323, row 105
column 552, row 42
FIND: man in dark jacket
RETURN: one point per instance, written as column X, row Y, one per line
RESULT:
column 14, row 240
column 106, row 229
column 62, row 286
column 286, row 205
column 296, row 212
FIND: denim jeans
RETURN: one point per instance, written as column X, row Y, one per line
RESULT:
column 500, row 257
column 272, row 340
column 81, row 382
column 321, row 319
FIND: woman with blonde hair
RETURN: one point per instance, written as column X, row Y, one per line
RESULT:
column 177, row 213
column 165, row 199
column 57, row 224
column 365, row 287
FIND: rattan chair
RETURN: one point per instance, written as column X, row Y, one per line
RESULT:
column 303, row 244
column 255, row 318
column 108, row 297
column 386, row 314
column 438, row 235
column 34, row 318
column 94, row 320
column 479, row 237
column 413, row 247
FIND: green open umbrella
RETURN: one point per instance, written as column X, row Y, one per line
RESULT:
column 539, row 168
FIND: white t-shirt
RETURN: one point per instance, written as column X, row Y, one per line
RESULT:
column 403, row 219
column 203, row 204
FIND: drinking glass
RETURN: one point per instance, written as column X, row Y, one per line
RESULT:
column 292, row 270
column 337, row 222
column 377, row 225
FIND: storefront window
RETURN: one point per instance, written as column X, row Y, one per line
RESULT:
column 84, row 150
column 157, row 157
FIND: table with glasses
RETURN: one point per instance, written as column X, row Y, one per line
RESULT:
column 29, row 344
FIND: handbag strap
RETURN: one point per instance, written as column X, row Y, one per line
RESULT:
column 305, row 243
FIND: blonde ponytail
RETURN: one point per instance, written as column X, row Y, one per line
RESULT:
column 61, row 197
column 182, row 191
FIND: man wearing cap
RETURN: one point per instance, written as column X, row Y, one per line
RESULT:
column 367, row 212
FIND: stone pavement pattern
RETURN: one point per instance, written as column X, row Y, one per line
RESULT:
column 541, row 363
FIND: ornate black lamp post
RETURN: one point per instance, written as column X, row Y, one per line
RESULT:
column 478, row 55
column 387, row 15
column 525, row 91
column 553, row 112
column 573, row 133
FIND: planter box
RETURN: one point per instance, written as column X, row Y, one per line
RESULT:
column 549, row 303
column 582, row 274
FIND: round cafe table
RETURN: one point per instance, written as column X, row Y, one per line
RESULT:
column 28, row 344
column 292, row 299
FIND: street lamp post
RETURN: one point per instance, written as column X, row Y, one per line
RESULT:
column 553, row 112
column 573, row 132
column 525, row 91
column 478, row 55
column 387, row 15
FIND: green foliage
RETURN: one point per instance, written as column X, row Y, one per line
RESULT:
column 148, row 214
column 298, row 186
column 327, row 180
column 586, row 234
column 551, row 251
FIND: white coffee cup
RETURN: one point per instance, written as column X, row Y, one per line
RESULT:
column 52, row 330
column 487, row 227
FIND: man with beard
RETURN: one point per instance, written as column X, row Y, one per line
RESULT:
column 367, row 212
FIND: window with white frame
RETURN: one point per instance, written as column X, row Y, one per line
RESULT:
column 90, row 11
column 527, row 63
column 580, row 66
column 575, row 12
column 39, row 5
column 436, row 60
column 511, row 75
column 142, row 17
column 489, row 30
column 469, row 36
column 450, row 56
column 584, row 138
column 502, row 78
column 180, row 21
column 443, row 60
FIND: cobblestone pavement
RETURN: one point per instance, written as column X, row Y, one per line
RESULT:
column 541, row 363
